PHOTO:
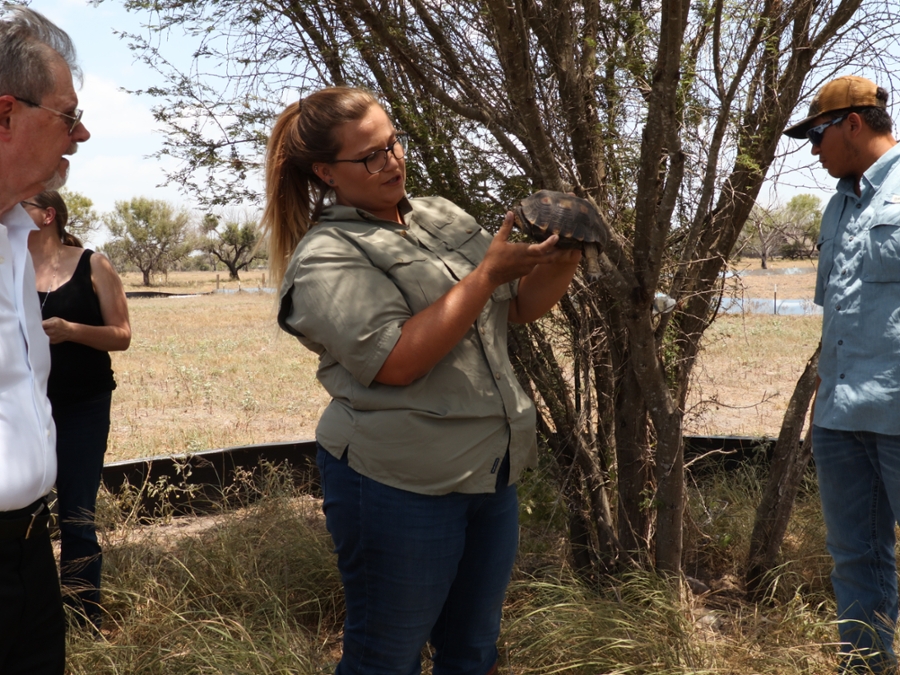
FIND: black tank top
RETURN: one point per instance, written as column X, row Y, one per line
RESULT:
column 76, row 370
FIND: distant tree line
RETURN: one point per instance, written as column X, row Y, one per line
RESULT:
column 786, row 230
column 154, row 237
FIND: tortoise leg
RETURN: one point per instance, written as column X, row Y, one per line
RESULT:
column 592, row 261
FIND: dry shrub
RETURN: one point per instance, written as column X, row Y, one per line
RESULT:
column 251, row 590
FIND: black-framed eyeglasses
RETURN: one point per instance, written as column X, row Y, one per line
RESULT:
column 25, row 203
column 817, row 133
column 76, row 118
column 376, row 161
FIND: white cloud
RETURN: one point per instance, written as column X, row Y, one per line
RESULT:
column 108, row 178
column 112, row 113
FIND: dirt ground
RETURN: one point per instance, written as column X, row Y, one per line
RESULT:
column 750, row 363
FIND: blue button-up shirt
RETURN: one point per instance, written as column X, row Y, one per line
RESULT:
column 858, row 287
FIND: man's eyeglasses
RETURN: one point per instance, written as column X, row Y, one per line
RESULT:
column 76, row 118
column 26, row 203
column 816, row 133
column 376, row 161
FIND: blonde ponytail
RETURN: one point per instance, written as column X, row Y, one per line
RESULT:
column 304, row 134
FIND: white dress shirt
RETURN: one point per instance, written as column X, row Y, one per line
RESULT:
column 27, row 432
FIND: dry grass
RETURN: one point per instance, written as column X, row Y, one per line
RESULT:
column 746, row 374
column 207, row 372
column 214, row 370
column 255, row 591
column 195, row 282
column 750, row 363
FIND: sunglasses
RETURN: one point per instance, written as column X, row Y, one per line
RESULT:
column 816, row 133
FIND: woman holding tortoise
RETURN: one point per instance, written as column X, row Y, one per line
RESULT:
column 406, row 302
column 86, row 317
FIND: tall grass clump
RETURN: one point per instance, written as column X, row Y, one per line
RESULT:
column 636, row 622
column 251, row 590
column 255, row 590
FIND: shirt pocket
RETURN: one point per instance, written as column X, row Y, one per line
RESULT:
column 420, row 281
column 881, row 263
column 826, row 258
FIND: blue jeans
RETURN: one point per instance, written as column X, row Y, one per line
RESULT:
column 417, row 568
column 859, row 483
column 82, row 430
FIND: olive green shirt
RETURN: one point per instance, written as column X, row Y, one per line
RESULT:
column 351, row 284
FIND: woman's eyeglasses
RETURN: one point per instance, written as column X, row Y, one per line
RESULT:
column 376, row 161
column 816, row 133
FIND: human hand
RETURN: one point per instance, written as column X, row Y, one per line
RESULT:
column 58, row 330
column 507, row 261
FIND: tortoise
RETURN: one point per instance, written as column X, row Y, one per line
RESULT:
column 575, row 220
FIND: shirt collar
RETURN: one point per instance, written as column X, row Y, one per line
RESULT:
column 18, row 218
column 875, row 175
column 339, row 213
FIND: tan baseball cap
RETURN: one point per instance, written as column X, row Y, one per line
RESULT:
column 845, row 92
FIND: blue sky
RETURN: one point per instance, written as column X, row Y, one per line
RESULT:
column 113, row 165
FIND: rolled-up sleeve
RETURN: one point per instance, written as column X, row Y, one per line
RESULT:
column 344, row 303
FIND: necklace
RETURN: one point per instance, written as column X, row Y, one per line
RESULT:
column 52, row 281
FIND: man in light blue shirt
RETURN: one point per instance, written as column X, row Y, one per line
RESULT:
column 856, row 415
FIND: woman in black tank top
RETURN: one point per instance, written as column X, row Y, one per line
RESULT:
column 86, row 317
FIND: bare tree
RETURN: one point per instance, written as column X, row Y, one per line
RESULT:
column 789, row 460
column 667, row 115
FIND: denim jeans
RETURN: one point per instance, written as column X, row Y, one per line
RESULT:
column 82, row 430
column 859, row 483
column 417, row 568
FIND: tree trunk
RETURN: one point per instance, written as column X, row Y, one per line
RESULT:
column 789, row 461
column 633, row 467
column 146, row 275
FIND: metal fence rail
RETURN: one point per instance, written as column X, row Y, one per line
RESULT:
column 209, row 474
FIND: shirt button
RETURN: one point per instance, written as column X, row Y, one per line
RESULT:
column 469, row 230
column 840, row 342
column 838, row 308
column 842, row 376
column 859, row 206
column 497, row 375
column 481, row 330
column 852, row 238
column 402, row 233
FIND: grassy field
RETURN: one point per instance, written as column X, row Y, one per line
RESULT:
column 211, row 371
column 255, row 590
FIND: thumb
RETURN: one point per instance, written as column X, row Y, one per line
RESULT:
column 507, row 226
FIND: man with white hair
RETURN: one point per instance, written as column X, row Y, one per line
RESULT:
column 39, row 124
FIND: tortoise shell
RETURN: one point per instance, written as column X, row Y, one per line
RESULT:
column 575, row 220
